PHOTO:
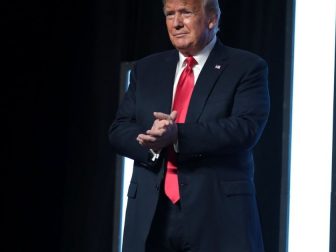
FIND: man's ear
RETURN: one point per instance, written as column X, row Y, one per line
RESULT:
column 212, row 21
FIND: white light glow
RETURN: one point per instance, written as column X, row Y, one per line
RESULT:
column 126, row 179
column 127, row 170
column 312, row 126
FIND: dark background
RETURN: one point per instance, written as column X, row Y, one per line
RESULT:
column 60, row 96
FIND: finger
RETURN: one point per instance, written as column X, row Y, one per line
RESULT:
column 155, row 132
column 161, row 116
column 146, row 138
column 160, row 124
column 155, row 124
column 173, row 115
column 139, row 140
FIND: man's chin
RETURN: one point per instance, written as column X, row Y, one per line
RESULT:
column 181, row 46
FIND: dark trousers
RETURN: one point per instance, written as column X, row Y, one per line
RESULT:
column 168, row 232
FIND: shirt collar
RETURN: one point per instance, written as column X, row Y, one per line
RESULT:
column 202, row 55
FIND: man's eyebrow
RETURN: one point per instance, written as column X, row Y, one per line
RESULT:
column 182, row 9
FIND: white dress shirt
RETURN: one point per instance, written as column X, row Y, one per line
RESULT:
column 200, row 57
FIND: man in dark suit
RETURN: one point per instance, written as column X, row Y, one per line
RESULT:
column 190, row 120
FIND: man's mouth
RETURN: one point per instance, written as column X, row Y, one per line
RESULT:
column 179, row 35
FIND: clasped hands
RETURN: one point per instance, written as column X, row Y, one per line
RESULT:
column 162, row 134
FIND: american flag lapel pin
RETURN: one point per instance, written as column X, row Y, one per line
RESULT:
column 218, row 66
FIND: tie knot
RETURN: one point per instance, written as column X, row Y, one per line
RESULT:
column 191, row 62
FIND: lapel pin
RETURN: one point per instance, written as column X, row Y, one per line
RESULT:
column 218, row 66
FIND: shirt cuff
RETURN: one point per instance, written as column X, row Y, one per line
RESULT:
column 155, row 155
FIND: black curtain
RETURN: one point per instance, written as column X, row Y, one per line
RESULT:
column 63, row 60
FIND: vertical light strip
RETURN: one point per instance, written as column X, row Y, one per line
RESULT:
column 312, row 126
column 126, row 179
column 127, row 170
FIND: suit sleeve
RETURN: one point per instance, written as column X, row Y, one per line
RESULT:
column 124, row 130
column 241, row 129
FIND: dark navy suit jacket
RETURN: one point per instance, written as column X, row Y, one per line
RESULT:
column 226, row 116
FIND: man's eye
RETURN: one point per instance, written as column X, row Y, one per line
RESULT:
column 170, row 15
column 187, row 14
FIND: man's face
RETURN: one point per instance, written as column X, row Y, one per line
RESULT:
column 190, row 28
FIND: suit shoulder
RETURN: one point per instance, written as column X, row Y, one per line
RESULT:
column 156, row 58
column 243, row 55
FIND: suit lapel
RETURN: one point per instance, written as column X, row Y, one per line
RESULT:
column 165, row 88
column 212, row 69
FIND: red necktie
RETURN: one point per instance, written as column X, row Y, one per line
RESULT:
column 183, row 93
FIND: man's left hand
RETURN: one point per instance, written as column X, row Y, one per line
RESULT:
column 162, row 134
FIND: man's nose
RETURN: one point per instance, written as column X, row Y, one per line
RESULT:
column 178, row 20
